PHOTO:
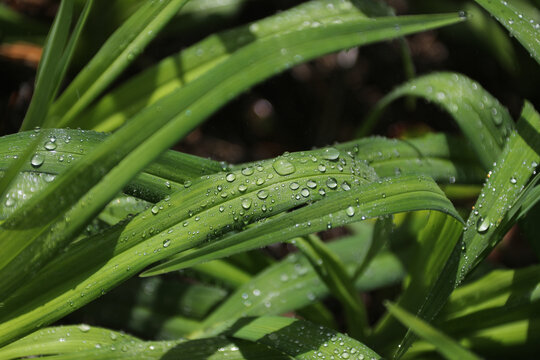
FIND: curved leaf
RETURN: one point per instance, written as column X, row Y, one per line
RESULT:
column 518, row 22
column 372, row 200
column 483, row 120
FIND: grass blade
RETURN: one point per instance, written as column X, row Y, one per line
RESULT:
column 375, row 199
column 84, row 342
column 525, row 29
column 48, row 75
column 483, row 120
column 443, row 344
column 299, row 339
column 113, row 57
column 332, row 272
column 292, row 284
column 489, row 221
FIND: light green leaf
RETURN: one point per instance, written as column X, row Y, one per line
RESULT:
column 443, row 344
column 84, row 342
column 524, row 28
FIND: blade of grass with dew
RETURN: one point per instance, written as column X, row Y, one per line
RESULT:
column 483, row 120
column 443, row 344
column 115, row 55
column 520, row 25
column 333, row 274
column 378, row 198
column 175, row 71
column 269, row 181
column 84, row 342
column 122, row 251
column 445, row 158
column 201, row 98
column 488, row 221
column 299, row 339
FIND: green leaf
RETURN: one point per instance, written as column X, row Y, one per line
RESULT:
column 443, row 344
column 524, row 28
column 489, row 220
column 372, row 200
column 84, row 342
column 299, row 339
column 292, row 284
column 49, row 74
column 486, row 224
column 483, row 120
column 113, row 57
column 435, row 244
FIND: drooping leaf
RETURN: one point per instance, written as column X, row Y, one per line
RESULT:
column 483, row 120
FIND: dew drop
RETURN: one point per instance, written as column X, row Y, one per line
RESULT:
column 331, row 183
column 242, row 188
column 304, row 192
column 247, row 171
column 311, row 184
column 322, row 168
column 482, row 225
column 350, row 211
column 155, row 209
column 246, row 203
column 37, row 160
column 330, row 153
column 513, row 180
column 50, row 145
column 187, row 183
column 230, row 177
column 84, row 327
column 166, row 243
column 294, row 186
column 345, row 186
column 283, row 167
column 263, row 194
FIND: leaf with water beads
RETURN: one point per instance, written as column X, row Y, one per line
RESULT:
column 402, row 194
column 483, row 120
column 489, row 221
column 300, row 339
column 86, row 342
column 518, row 21
column 194, row 217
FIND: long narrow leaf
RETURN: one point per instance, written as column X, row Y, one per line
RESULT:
column 518, row 23
column 114, row 56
